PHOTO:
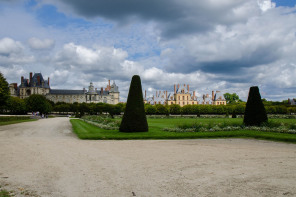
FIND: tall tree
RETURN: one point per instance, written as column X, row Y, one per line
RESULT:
column 16, row 105
column 255, row 113
column 134, row 118
column 37, row 102
column 4, row 91
column 231, row 98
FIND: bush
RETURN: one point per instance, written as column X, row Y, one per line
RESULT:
column 255, row 113
column 134, row 118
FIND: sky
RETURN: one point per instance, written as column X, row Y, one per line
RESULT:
column 225, row 45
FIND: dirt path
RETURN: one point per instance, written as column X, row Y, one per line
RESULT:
column 44, row 158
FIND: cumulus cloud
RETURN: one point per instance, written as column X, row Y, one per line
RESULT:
column 12, row 52
column 38, row 44
column 9, row 46
column 225, row 45
column 266, row 4
column 103, row 59
column 172, row 18
column 260, row 41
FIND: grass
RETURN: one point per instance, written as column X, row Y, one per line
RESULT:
column 6, row 120
column 4, row 193
column 88, row 131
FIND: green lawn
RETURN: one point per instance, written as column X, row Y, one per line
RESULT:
column 6, row 120
column 88, row 131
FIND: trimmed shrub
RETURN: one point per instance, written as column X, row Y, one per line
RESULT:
column 255, row 113
column 134, row 118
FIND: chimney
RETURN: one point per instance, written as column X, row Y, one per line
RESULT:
column 178, row 86
column 188, row 87
column 48, row 81
column 159, row 93
column 193, row 94
column 15, row 85
column 207, row 96
column 22, row 80
column 175, row 88
column 109, row 87
column 102, row 90
column 38, row 79
column 31, row 77
column 156, row 94
column 213, row 94
column 28, row 81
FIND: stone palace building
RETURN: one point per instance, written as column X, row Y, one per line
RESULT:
column 182, row 96
column 37, row 85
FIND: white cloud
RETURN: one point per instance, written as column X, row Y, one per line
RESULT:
column 266, row 5
column 12, row 52
column 37, row 44
column 90, row 59
column 9, row 46
column 225, row 45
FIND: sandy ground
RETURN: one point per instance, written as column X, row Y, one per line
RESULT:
column 44, row 158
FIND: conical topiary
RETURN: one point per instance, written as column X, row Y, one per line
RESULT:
column 255, row 113
column 134, row 118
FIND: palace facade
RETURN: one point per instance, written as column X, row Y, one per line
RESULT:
column 37, row 85
column 182, row 96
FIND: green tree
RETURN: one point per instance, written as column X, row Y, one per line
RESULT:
column 4, row 91
column 161, row 109
column 255, row 113
column 83, row 108
column 231, row 98
column 16, row 105
column 150, row 109
column 187, row 109
column 196, row 110
column 62, row 108
column 134, row 118
column 37, row 102
column 113, row 109
column 175, row 109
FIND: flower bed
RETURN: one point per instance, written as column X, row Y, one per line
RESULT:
column 103, row 122
column 212, row 127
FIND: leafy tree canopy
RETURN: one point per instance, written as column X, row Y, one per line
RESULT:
column 37, row 102
column 231, row 98
column 4, row 91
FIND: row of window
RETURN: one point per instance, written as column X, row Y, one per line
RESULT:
column 187, row 103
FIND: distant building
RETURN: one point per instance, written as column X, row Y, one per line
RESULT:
column 182, row 96
column 37, row 85
column 292, row 101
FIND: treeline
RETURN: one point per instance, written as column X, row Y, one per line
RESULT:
column 39, row 103
column 80, row 109
column 33, row 103
column 234, row 109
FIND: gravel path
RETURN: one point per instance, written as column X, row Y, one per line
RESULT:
column 44, row 158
